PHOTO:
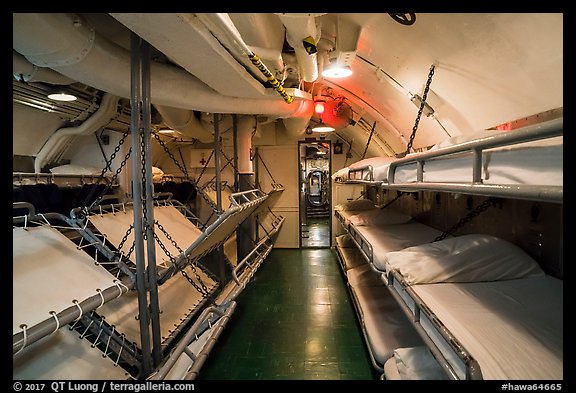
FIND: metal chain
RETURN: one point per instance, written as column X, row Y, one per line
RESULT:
column 204, row 289
column 267, row 170
column 491, row 201
column 424, row 96
column 400, row 194
column 124, row 241
column 185, row 172
column 109, row 164
column 143, row 194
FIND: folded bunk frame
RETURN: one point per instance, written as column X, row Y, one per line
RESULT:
column 186, row 360
column 58, row 283
column 118, row 260
column 473, row 155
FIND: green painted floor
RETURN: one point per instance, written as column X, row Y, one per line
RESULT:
column 294, row 320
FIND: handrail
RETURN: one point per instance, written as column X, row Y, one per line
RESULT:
column 206, row 317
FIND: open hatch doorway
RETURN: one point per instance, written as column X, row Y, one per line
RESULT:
column 314, row 160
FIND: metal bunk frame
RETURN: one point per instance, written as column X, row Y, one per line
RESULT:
column 214, row 318
column 441, row 342
column 542, row 193
column 79, row 311
column 424, row 320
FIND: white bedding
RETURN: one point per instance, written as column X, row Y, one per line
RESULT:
column 379, row 165
column 386, row 326
column 467, row 258
column 395, row 237
column 534, row 163
column 513, row 328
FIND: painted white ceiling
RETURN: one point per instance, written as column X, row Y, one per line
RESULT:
column 489, row 68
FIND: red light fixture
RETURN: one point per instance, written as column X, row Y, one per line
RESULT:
column 319, row 107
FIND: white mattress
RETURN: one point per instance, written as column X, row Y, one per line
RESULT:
column 49, row 272
column 386, row 326
column 513, row 328
column 395, row 237
column 534, row 163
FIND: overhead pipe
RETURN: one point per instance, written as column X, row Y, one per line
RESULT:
column 185, row 122
column 25, row 71
column 58, row 140
column 45, row 37
column 228, row 26
column 301, row 27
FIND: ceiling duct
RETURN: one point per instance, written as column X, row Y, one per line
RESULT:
column 63, row 43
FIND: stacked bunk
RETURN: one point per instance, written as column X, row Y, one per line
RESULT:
column 76, row 302
column 524, row 164
column 468, row 303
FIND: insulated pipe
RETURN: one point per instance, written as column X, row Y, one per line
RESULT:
column 25, row 71
column 236, row 38
column 246, row 126
column 298, row 28
column 41, row 38
column 57, row 141
column 185, row 122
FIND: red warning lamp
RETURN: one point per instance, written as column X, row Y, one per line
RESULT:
column 319, row 107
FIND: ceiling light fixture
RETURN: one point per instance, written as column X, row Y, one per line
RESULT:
column 62, row 95
column 321, row 127
column 166, row 131
column 336, row 70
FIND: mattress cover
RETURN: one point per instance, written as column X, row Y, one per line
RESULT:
column 513, row 328
column 534, row 163
column 467, row 258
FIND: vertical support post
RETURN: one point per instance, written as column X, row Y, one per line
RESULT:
column 217, row 167
column 246, row 229
column 217, row 162
column 149, row 206
column 135, row 126
column 235, row 139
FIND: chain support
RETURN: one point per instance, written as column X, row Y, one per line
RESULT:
column 420, row 110
column 489, row 202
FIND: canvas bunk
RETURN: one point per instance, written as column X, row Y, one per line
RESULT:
column 55, row 283
column 525, row 163
column 109, row 228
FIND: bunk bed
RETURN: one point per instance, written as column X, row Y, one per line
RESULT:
column 111, row 321
column 475, row 297
column 56, row 282
column 525, row 163
column 471, row 299
column 371, row 233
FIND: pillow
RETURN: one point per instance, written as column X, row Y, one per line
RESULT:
column 382, row 217
column 157, row 174
column 340, row 174
column 71, row 169
column 418, row 363
column 467, row 258
column 358, row 204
